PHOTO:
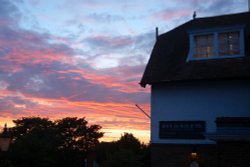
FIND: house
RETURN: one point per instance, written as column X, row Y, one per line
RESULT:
column 199, row 74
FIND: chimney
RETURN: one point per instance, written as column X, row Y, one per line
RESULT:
column 156, row 33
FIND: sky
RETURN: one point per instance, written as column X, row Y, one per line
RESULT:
column 85, row 58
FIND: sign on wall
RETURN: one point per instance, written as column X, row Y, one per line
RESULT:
column 182, row 129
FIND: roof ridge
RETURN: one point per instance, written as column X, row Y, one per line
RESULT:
column 222, row 15
column 203, row 18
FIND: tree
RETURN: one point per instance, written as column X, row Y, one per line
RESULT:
column 31, row 126
column 5, row 164
column 76, row 139
column 123, row 158
column 34, row 142
column 41, row 142
column 126, row 152
column 128, row 141
column 76, row 135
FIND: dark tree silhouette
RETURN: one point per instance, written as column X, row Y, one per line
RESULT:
column 41, row 142
column 76, row 135
column 129, row 142
column 31, row 126
column 126, row 152
column 76, row 140
column 123, row 158
column 34, row 142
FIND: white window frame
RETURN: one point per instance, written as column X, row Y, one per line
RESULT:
column 215, row 32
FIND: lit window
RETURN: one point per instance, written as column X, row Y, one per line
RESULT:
column 204, row 46
column 216, row 43
column 229, row 43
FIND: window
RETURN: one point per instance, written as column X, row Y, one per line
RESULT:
column 216, row 43
column 204, row 46
column 229, row 43
column 182, row 129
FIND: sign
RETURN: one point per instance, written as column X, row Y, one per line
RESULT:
column 182, row 129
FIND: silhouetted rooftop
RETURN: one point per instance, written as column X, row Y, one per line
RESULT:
column 168, row 63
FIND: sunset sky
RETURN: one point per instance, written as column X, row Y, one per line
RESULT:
column 85, row 58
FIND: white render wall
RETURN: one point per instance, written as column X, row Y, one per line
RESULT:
column 197, row 101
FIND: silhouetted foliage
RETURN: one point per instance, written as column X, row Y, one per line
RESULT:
column 34, row 142
column 76, row 139
column 31, row 126
column 76, row 135
column 123, row 158
column 5, row 163
column 145, row 155
column 126, row 152
column 41, row 142
column 129, row 142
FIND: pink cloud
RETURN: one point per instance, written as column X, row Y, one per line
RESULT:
column 114, row 78
column 173, row 14
column 104, row 41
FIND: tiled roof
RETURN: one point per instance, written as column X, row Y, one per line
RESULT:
column 168, row 63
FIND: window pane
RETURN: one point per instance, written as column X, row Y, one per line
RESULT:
column 204, row 46
column 229, row 43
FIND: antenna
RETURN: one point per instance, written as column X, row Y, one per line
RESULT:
column 142, row 111
column 194, row 15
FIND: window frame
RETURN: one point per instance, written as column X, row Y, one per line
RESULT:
column 215, row 32
column 206, row 46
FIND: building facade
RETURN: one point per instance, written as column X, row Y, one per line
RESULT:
column 199, row 74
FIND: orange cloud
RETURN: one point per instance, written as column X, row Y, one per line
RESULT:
column 114, row 81
column 115, row 118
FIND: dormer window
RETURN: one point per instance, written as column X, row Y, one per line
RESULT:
column 216, row 43
column 229, row 43
column 204, row 46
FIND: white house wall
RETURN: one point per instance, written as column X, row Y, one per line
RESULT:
column 197, row 101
